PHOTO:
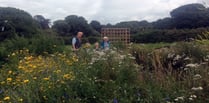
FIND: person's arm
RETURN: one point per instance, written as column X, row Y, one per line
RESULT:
column 73, row 44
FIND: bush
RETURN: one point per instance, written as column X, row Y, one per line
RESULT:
column 49, row 44
column 192, row 50
column 38, row 45
column 93, row 40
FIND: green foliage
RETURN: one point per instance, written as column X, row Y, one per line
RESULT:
column 42, row 22
column 171, row 35
column 135, row 26
column 73, row 24
column 9, row 46
column 118, row 45
column 193, row 50
column 93, row 39
column 169, row 56
column 21, row 24
column 190, row 16
column 16, row 43
column 62, row 28
column 96, row 25
column 43, row 43
column 89, row 76
column 39, row 44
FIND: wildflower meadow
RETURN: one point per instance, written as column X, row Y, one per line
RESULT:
column 137, row 74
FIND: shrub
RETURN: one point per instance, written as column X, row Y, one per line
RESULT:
column 191, row 49
column 43, row 43
column 93, row 40
column 38, row 44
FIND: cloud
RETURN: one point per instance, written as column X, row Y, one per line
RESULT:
column 105, row 11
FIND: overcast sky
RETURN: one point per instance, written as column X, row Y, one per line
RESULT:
column 105, row 11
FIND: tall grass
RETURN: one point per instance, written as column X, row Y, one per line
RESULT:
column 169, row 73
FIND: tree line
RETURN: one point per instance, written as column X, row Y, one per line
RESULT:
column 185, row 22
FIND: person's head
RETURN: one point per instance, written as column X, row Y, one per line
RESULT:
column 105, row 39
column 96, row 45
column 79, row 34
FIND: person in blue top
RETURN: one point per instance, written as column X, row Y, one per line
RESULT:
column 105, row 43
column 76, row 41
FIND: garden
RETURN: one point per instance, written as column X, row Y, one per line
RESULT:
column 137, row 73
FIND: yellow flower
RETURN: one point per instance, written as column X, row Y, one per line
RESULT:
column 10, row 72
column 7, row 98
column 26, row 81
column 14, row 83
column 34, row 66
column 20, row 67
column 9, row 79
column 3, row 82
column 34, row 78
column 75, row 59
column 46, row 79
column 57, row 71
column 68, row 76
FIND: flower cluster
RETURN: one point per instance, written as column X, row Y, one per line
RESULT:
column 41, row 72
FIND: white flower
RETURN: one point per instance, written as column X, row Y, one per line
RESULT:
column 191, row 99
column 187, row 58
column 179, row 98
column 132, row 58
column 197, row 76
column 129, row 54
column 192, row 65
column 122, row 56
column 186, row 69
column 171, row 55
column 112, row 52
column 177, row 57
column 193, row 96
column 206, row 60
column 176, row 99
column 197, row 88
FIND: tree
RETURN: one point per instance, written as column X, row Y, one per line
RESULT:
column 16, row 22
column 43, row 22
column 166, row 23
column 190, row 16
column 62, row 28
column 96, row 25
column 72, row 24
column 77, row 23
column 135, row 26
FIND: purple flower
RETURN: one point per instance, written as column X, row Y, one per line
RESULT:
column 1, row 91
column 115, row 100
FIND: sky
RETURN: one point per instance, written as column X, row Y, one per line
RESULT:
column 104, row 11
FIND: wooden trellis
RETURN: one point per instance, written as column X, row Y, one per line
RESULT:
column 117, row 35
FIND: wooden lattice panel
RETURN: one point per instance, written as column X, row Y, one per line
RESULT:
column 117, row 35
